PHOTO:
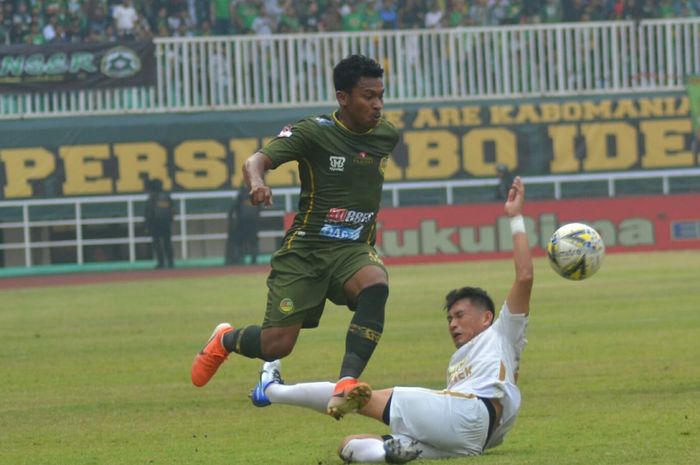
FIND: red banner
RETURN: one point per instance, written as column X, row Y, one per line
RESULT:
column 482, row 231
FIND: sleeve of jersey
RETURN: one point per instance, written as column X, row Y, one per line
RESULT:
column 290, row 144
column 512, row 327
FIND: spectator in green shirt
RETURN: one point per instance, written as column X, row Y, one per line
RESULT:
column 373, row 21
column 247, row 11
column 289, row 20
column 35, row 37
column 222, row 16
column 513, row 12
column 457, row 14
column 550, row 11
column 353, row 21
column 666, row 9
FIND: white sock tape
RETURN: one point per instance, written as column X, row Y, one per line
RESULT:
column 517, row 224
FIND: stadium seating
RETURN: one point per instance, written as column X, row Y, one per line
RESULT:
column 40, row 22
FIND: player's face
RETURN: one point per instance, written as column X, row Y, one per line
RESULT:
column 466, row 321
column 361, row 109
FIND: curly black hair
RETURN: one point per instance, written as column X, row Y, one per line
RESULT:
column 348, row 72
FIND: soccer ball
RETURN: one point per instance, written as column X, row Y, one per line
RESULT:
column 575, row 251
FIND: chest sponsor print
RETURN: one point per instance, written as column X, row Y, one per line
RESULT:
column 363, row 158
column 343, row 215
column 341, row 232
column 337, row 163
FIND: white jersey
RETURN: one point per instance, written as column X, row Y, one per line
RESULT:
column 125, row 17
column 487, row 366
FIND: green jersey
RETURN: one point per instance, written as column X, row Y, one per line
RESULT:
column 341, row 172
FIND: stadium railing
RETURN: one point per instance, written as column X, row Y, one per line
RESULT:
column 201, row 220
column 277, row 71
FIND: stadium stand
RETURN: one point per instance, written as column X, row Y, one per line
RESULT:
column 39, row 22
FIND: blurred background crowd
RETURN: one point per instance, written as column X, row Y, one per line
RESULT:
column 49, row 21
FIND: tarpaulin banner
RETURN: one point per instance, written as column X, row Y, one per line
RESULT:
column 482, row 231
column 112, row 155
column 693, row 87
column 76, row 66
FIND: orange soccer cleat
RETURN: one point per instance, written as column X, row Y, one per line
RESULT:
column 210, row 358
column 349, row 396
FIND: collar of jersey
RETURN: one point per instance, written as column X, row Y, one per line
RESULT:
column 340, row 123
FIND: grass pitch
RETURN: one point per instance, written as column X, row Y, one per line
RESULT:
column 99, row 374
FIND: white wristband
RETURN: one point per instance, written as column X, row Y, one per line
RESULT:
column 517, row 224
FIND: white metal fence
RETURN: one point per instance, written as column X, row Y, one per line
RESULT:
column 245, row 72
column 202, row 235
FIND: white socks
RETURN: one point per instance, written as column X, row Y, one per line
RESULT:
column 367, row 450
column 310, row 395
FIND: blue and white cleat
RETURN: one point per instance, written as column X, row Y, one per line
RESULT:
column 269, row 374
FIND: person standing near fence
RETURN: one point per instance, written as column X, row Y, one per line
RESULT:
column 159, row 214
column 328, row 252
column 243, row 227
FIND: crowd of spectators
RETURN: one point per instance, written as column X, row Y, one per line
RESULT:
column 49, row 21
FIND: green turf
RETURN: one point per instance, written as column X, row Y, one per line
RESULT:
column 99, row 374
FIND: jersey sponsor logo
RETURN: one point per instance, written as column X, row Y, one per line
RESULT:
column 363, row 158
column 343, row 215
column 459, row 371
column 337, row 163
column 341, row 232
column 286, row 131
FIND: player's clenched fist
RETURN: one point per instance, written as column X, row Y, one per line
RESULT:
column 261, row 195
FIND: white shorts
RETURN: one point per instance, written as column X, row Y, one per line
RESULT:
column 445, row 424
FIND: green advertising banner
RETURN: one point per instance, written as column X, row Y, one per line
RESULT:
column 193, row 152
column 693, row 87
column 76, row 66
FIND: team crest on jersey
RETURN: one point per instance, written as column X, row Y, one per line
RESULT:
column 286, row 305
column 337, row 163
column 286, row 131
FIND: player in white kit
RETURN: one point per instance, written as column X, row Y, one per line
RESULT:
column 481, row 400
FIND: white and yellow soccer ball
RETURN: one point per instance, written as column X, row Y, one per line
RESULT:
column 576, row 251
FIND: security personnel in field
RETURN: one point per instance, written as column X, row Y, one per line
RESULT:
column 159, row 216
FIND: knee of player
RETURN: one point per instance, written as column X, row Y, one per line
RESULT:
column 374, row 276
column 278, row 342
column 366, row 277
column 277, row 349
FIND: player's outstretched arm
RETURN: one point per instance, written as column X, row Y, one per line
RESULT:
column 518, row 299
column 254, row 170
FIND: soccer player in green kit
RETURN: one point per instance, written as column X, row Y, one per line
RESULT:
column 328, row 252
